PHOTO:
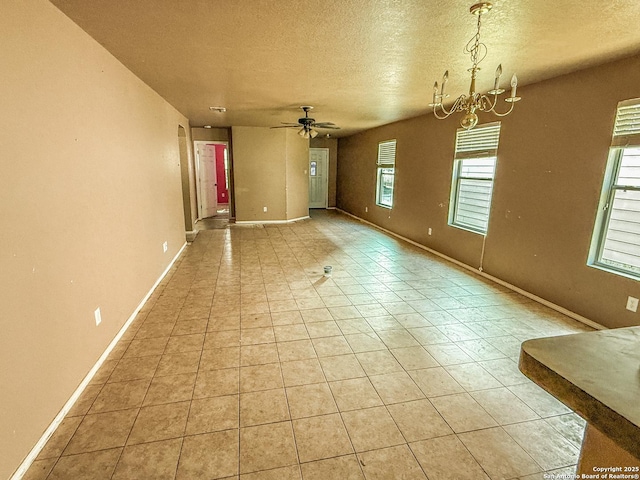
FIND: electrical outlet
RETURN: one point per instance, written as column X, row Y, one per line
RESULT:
column 366, row 209
column 264, row 209
column 165, row 247
column 98, row 316
column 430, row 231
column 632, row 304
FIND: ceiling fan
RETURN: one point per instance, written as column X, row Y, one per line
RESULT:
column 308, row 124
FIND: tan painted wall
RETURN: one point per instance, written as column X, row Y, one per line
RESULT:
column 332, row 145
column 259, row 156
column 90, row 186
column 551, row 158
column 187, row 174
column 269, row 171
column 210, row 134
column 297, row 175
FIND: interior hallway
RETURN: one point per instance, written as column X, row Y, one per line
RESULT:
column 247, row 363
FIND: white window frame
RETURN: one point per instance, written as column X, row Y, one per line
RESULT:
column 480, row 143
column 386, row 161
column 625, row 141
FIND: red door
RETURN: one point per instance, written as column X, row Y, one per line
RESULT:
column 221, row 177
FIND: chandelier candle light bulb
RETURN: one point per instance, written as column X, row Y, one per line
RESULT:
column 445, row 77
column 514, row 87
column 475, row 101
column 496, row 85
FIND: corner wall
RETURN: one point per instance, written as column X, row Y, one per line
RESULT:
column 91, row 188
column 297, row 176
column 268, row 172
column 187, row 174
column 551, row 160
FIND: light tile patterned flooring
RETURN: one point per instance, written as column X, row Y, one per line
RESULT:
column 248, row 363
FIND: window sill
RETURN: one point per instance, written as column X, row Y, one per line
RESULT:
column 468, row 229
column 615, row 271
column 384, row 206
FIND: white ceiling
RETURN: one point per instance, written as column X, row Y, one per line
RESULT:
column 361, row 63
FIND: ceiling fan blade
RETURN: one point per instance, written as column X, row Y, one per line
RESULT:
column 326, row 126
column 287, row 126
column 322, row 124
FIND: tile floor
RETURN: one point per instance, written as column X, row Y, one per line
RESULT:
column 247, row 363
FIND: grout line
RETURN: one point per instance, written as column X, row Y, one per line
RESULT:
column 514, row 288
column 253, row 255
column 286, row 397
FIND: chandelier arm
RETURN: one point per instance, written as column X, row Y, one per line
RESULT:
column 445, row 111
column 435, row 112
column 492, row 103
column 457, row 106
column 505, row 113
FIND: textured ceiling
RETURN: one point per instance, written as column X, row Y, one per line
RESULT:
column 360, row 63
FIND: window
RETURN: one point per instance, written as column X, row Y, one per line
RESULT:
column 473, row 172
column 616, row 239
column 386, row 173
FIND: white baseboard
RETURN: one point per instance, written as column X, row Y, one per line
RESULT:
column 265, row 222
column 35, row 451
column 532, row 296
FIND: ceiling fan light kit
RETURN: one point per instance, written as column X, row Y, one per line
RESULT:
column 311, row 133
column 308, row 124
column 474, row 101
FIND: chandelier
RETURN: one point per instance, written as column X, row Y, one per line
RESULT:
column 474, row 102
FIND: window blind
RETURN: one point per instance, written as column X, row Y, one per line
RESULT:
column 626, row 131
column 387, row 152
column 478, row 142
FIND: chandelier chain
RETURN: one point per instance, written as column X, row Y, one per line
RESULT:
column 474, row 46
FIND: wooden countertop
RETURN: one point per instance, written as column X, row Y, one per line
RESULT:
column 597, row 374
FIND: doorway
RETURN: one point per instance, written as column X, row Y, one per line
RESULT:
column 318, row 177
column 212, row 172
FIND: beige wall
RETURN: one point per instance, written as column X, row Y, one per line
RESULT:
column 551, row 159
column 210, row 134
column 332, row 145
column 269, row 166
column 297, row 175
column 90, row 186
column 187, row 174
column 260, row 174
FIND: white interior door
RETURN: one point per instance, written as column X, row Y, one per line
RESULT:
column 208, row 195
column 318, row 177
